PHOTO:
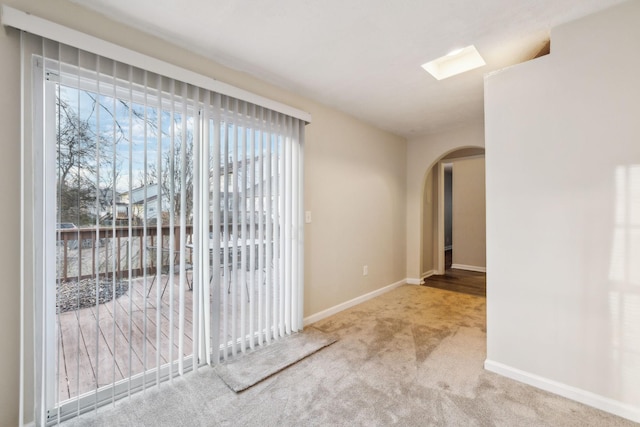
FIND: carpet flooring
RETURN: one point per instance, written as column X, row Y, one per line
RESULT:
column 411, row 357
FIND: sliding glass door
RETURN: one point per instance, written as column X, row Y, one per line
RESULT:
column 166, row 228
column 123, row 214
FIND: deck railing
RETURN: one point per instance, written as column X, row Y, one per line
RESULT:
column 87, row 252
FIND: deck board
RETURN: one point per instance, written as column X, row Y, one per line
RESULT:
column 76, row 370
column 100, row 353
column 117, row 342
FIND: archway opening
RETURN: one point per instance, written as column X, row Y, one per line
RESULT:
column 453, row 214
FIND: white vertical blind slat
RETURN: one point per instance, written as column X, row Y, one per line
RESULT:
column 145, row 218
column 288, row 221
column 294, row 223
column 261, row 235
column 78, row 347
column 159, row 239
column 199, row 245
column 242, row 209
column 114, row 240
column 206, row 250
column 197, row 241
column 97, row 274
column 225, row 233
column 271, row 244
column 130, row 246
column 235, row 237
column 252, row 227
column 183, row 228
column 277, row 160
column 172, row 214
column 298, row 302
column 214, row 185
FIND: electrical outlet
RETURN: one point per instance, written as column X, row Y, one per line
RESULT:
column 365, row 270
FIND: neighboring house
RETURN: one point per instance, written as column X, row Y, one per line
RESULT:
column 143, row 199
column 243, row 198
column 110, row 201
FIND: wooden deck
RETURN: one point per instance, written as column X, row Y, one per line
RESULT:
column 98, row 346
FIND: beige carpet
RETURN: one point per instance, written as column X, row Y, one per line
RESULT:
column 411, row 357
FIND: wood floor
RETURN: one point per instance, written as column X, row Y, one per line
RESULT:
column 466, row 282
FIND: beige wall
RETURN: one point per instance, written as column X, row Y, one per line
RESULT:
column 429, row 206
column 563, row 190
column 469, row 213
column 422, row 154
column 354, row 185
column 10, row 218
column 356, row 194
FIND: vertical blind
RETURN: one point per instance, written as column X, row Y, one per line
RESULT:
column 166, row 229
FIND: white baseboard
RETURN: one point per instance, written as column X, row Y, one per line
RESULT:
column 428, row 274
column 469, row 268
column 348, row 304
column 411, row 281
column 612, row 406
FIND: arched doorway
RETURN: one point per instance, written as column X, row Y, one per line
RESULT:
column 453, row 213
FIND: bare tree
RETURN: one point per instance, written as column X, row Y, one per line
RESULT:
column 171, row 175
column 89, row 170
column 77, row 143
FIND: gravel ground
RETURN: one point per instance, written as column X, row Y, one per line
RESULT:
column 74, row 295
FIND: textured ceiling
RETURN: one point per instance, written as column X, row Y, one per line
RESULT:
column 362, row 57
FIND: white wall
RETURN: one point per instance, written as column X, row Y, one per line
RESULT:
column 563, row 214
column 468, row 214
column 354, row 185
column 422, row 154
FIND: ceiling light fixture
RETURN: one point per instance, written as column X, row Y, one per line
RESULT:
column 455, row 62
